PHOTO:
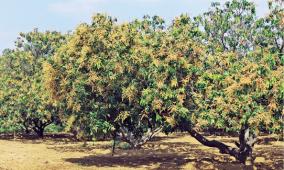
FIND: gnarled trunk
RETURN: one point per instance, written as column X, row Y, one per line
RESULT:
column 39, row 127
column 135, row 142
column 39, row 131
column 244, row 151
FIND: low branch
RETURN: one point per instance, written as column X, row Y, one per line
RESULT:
column 242, row 153
column 213, row 143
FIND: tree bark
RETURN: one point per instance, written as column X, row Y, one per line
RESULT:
column 114, row 142
column 39, row 131
column 39, row 126
column 242, row 154
column 136, row 143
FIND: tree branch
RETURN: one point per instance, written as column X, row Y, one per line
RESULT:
column 242, row 153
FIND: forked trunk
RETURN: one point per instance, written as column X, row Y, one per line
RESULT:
column 136, row 143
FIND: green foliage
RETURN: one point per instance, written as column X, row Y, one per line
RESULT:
column 270, row 29
column 23, row 100
column 229, row 28
column 54, row 128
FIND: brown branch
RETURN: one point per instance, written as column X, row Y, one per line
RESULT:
column 213, row 143
column 242, row 154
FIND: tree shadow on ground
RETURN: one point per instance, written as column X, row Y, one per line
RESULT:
column 55, row 137
column 167, row 155
column 174, row 155
column 163, row 160
column 160, row 138
column 80, row 148
column 273, row 157
column 170, row 161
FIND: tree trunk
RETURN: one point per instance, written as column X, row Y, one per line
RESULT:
column 14, row 135
column 113, row 145
column 39, row 131
column 27, row 131
column 26, row 128
column 39, row 126
column 242, row 154
column 136, row 143
column 247, row 141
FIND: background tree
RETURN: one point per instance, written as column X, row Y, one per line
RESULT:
column 23, row 97
column 230, row 27
column 270, row 28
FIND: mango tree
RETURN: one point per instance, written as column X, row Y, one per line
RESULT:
column 23, row 98
column 139, row 77
column 96, row 78
column 230, row 27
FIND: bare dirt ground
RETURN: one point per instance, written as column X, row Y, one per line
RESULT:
column 176, row 151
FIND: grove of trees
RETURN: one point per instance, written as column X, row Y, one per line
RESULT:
column 222, row 70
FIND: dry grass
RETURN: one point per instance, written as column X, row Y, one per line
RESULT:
column 177, row 151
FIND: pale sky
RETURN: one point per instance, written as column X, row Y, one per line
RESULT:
column 64, row 15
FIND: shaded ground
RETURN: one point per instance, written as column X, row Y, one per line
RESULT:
column 177, row 151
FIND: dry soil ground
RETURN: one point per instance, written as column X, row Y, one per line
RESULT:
column 177, row 151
